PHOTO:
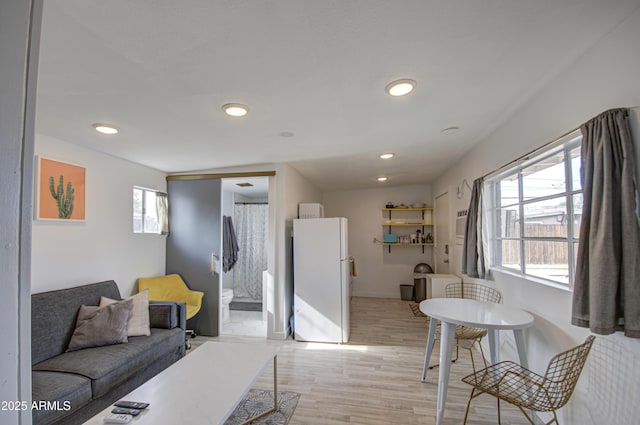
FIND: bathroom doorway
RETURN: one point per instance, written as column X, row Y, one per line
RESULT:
column 243, row 293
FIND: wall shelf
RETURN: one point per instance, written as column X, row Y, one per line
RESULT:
column 417, row 218
column 406, row 224
column 408, row 209
column 376, row 241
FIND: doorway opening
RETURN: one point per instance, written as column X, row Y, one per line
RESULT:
column 245, row 207
column 443, row 236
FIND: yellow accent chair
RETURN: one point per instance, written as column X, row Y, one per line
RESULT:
column 172, row 288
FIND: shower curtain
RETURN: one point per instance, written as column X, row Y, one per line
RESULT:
column 251, row 221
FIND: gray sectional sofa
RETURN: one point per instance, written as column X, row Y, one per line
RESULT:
column 73, row 386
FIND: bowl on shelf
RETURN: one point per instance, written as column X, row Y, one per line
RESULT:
column 390, row 238
column 418, row 205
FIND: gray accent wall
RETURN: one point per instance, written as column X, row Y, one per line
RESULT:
column 195, row 224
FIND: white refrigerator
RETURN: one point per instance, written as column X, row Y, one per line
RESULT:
column 321, row 282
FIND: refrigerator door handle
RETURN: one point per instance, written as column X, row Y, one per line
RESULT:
column 350, row 266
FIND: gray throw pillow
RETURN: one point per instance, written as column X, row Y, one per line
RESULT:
column 98, row 326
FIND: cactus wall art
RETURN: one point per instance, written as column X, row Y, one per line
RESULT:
column 61, row 191
column 64, row 201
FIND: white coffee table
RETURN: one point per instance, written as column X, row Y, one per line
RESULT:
column 203, row 387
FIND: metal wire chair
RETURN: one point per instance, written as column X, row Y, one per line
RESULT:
column 525, row 389
column 467, row 336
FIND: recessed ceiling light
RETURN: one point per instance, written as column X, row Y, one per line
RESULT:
column 105, row 128
column 382, row 179
column 400, row 87
column 386, row 156
column 286, row 134
column 235, row 109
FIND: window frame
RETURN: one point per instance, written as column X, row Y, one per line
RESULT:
column 144, row 210
column 564, row 145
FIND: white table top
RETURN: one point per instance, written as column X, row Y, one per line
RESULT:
column 203, row 388
column 467, row 312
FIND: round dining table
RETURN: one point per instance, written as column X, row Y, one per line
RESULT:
column 476, row 314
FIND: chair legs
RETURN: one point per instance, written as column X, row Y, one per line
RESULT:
column 554, row 420
column 189, row 333
column 531, row 421
column 484, row 359
column 470, row 348
column 452, row 360
column 466, row 412
column 471, row 397
column 474, row 395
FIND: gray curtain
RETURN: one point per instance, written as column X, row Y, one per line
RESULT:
column 606, row 293
column 472, row 250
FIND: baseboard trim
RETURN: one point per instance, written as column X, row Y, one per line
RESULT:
column 280, row 336
column 377, row 294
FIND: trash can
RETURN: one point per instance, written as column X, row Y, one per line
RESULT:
column 420, row 281
column 406, row 292
column 420, row 287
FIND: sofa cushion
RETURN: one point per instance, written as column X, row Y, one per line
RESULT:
column 163, row 315
column 111, row 365
column 97, row 326
column 53, row 316
column 61, row 391
column 138, row 324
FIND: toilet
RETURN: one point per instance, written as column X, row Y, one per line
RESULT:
column 225, row 300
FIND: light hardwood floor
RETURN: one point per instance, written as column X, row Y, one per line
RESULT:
column 375, row 378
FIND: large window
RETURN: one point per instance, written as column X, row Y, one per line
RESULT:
column 149, row 211
column 536, row 209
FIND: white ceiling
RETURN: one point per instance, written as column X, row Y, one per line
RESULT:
column 161, row 70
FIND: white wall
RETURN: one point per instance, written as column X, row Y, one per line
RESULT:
column 379, row 272
column 607, row 76
column 103, row 247
column 293, row 189
column 19, row 46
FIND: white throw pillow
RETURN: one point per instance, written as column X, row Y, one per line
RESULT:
column 138, row 324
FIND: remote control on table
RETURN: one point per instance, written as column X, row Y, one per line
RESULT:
column 131, row 404
column 126, row 411
column 114, row 418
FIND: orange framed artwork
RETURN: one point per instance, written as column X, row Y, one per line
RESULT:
column 60, row 190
